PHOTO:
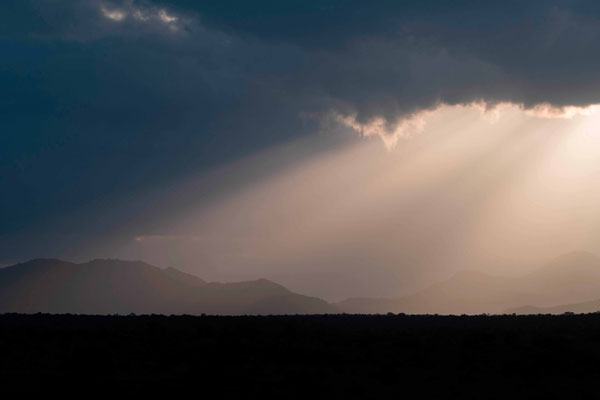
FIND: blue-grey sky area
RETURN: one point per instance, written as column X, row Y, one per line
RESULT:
column 105, row 101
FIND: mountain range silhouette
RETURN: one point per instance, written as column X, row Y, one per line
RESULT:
column 564, row 283
column 570, row 283
column 123, row 287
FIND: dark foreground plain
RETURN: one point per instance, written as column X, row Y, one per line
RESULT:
column 329, row 356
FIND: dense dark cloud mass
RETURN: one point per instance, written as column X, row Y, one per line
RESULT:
column 543, row 50
column 103, row 99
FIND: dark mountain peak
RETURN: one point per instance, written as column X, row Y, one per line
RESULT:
column 183, row 277
column 262, row 285
column 266, row 282
column 112, row 286
column 114, row 262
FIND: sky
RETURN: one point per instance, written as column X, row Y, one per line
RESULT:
column 341, row 148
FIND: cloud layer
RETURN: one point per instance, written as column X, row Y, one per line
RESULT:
column 106, row 99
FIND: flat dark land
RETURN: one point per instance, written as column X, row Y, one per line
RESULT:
column 303, row 356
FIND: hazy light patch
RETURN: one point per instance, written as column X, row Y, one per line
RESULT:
column 141, row 15
column 115, row 15
column 391, row 133
column 166, row 17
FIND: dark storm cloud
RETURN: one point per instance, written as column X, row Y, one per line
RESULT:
column 93, row 108
column 103, row 99
column 389, row 58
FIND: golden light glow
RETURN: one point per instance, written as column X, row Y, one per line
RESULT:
column 498, row 189
column 392, row 131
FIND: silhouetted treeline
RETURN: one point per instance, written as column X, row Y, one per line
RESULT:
column 303, row 356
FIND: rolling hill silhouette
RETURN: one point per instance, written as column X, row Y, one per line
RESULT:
column 123, row 287
column 578, row 285
column 571, row 278
column 577, row 308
